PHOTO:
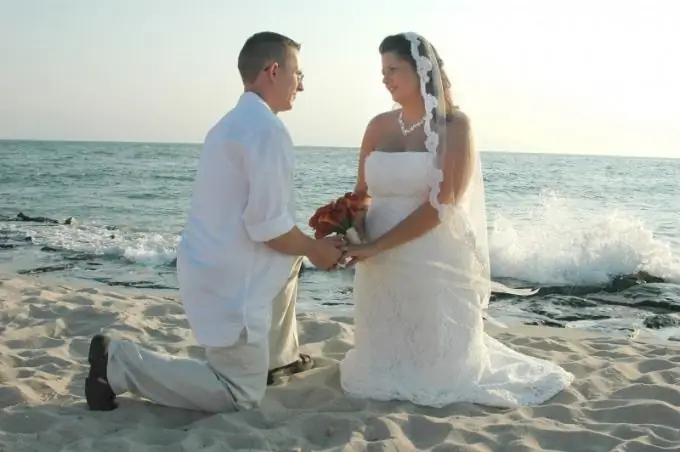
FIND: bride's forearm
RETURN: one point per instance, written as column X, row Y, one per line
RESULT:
column 365, row 201
column 419, row 222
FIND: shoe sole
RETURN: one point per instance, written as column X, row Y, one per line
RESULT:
column 96, row 357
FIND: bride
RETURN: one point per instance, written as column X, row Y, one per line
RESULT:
column 422, row 274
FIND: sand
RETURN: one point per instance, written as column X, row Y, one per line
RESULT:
column 626, row 396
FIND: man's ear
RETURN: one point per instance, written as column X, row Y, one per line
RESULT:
column 272, row 70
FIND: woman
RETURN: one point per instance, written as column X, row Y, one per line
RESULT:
column 422, row 274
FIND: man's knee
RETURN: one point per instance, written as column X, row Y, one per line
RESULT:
column 223, row 402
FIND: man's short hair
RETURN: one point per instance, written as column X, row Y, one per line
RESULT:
column 261, row 49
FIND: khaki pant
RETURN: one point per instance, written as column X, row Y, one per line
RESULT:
column 233, row 378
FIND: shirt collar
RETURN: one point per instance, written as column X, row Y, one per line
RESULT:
column 250, row 98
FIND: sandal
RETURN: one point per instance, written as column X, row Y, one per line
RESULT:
column 303, row 364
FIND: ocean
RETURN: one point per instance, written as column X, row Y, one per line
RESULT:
column 599, row 236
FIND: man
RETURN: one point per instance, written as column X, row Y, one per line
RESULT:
column 238, row 260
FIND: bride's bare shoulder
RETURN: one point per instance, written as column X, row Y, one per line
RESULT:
column 385, row 117
column 375, row 129
column 381, row 122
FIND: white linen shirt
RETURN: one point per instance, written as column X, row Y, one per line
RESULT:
column 243, row 196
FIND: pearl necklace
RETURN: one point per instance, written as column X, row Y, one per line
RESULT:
column 406, row 131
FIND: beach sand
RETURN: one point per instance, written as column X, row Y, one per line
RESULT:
column 626, row 396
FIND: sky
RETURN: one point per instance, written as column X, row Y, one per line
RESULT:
column 577, row 76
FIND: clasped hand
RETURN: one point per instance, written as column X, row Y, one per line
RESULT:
column 334, row 252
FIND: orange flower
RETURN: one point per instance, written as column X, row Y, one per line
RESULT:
column 353, row 203
column 314, row 220
column 340, row 214
column 337, row 216
column 357, row 202
column 329, row 218
column 326, row 225
column 323, row 230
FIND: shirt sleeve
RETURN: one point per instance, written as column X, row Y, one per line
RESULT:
column 270, row 176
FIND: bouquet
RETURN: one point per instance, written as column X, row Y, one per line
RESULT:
column 338, row 217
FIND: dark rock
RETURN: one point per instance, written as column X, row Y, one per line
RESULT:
column 545, row 322
column 659, row 321
column 51, row 268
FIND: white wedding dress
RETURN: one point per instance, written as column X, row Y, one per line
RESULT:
column 419, row 334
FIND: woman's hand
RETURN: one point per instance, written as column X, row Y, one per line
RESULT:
column 358, row 253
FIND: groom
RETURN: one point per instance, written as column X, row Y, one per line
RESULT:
column 238, row 260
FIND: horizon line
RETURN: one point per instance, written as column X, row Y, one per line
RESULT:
column 316, row 146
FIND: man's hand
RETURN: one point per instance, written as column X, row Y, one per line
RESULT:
column 325, row 253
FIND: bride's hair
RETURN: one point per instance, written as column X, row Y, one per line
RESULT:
column 401, row 46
